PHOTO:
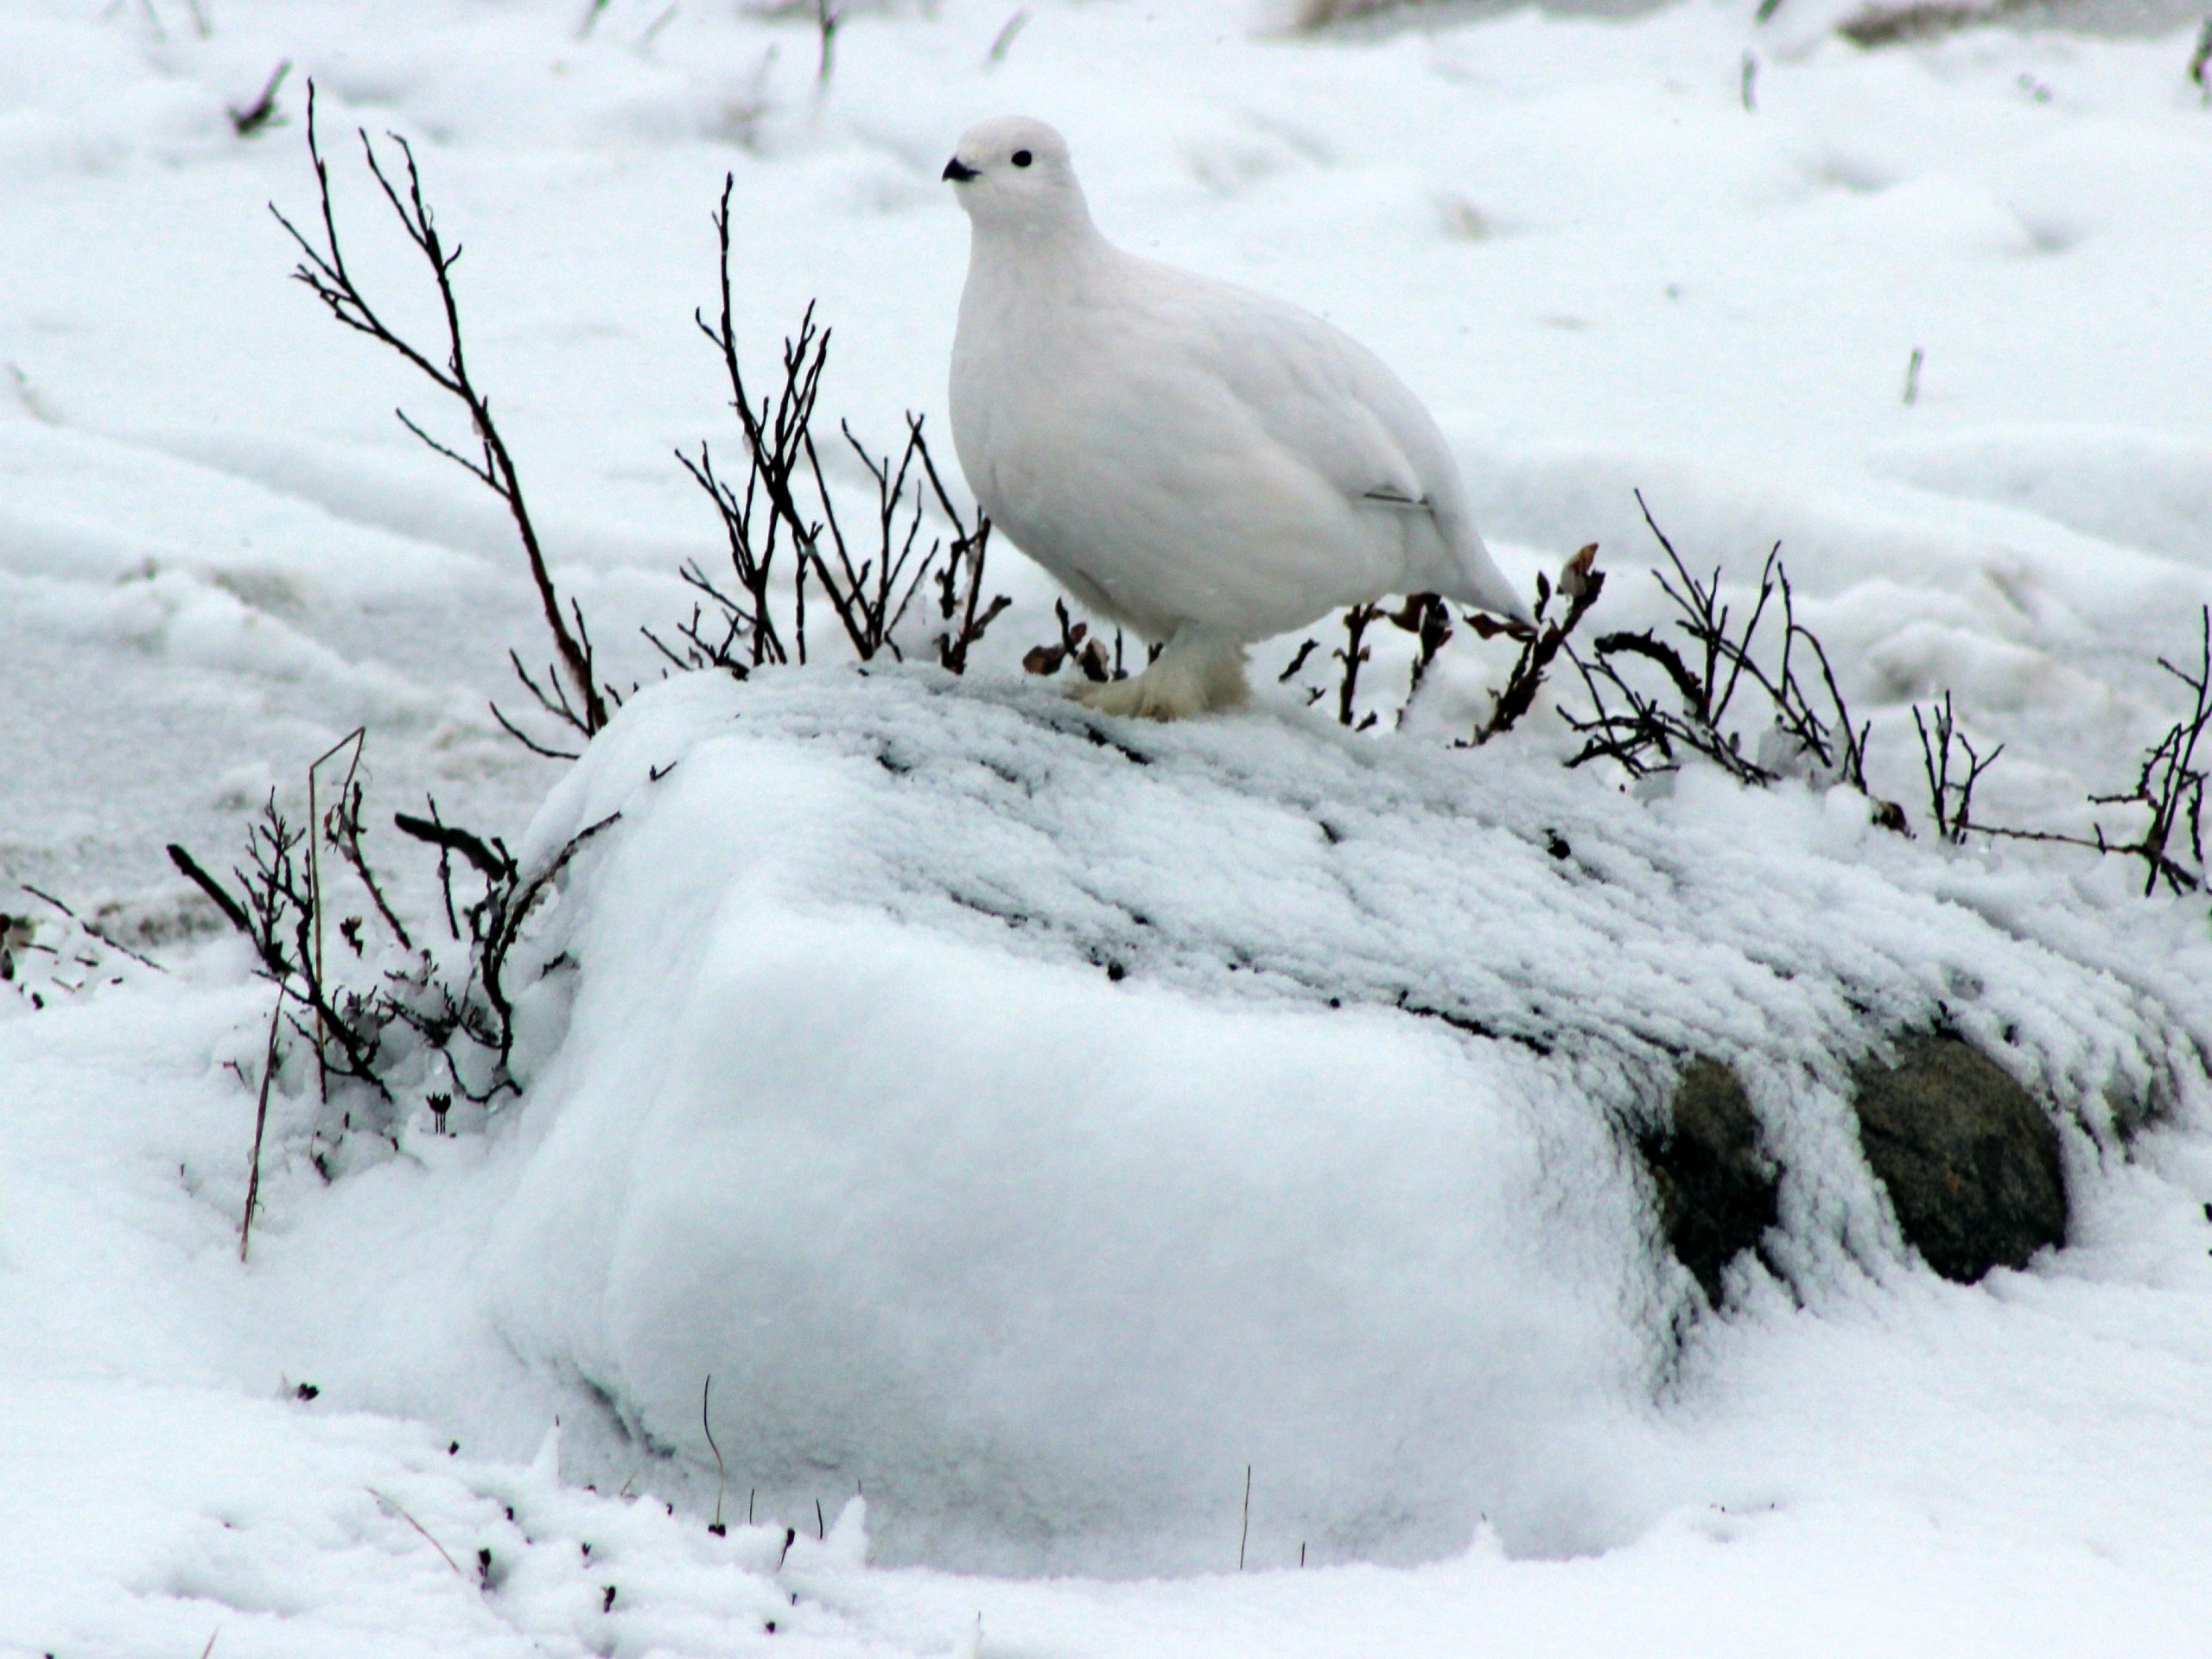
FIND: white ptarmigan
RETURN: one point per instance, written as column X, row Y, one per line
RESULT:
column 1205, row 465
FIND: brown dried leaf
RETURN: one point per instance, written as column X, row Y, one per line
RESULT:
column 1574, row 574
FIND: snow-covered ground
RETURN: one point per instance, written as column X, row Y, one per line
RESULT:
column 1042, row 1259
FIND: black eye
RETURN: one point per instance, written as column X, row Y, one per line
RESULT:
column 1022, row 158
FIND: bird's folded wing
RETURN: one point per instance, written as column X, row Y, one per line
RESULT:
column 1324, row 398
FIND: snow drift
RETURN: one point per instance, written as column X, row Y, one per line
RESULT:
column 1034, row 1119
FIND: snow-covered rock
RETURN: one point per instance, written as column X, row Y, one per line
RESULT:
column 1035, row 1119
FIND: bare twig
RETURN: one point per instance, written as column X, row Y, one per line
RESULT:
column 260, row 1124
column 342, row 827
column 1351, row 654
column 277, row 916
column 112, row 944
column 1580, row 581
column 262, row 112
column 785, row 497
column 826, row 19
column 870, row 601
column 324, row 272
column 1950, row 802
column 354, row 739
column 1002, row 42
column 721, row 1474
column 1429, row 618
column 1244, row 1533
column 400, row 1510
column 233, row 912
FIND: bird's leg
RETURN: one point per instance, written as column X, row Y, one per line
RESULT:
column 1202, row 668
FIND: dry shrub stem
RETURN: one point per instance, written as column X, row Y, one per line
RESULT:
column 1950, row 801
column 495, row 924
column 1351, row 655
column 785, row 499
column 1580, row 583
column 468, row 1027
column 93, row 930
column 277, row 913
column 1642, row 731
column 721, row 1473
column 582, row 703
column 260, row 1126
column 1429, row 618
column 2169, row 785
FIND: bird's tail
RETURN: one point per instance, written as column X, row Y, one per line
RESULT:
column 1486, row 584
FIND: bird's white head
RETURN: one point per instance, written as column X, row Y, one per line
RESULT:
column 1012, row 175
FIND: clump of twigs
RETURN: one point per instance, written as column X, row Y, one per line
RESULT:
column 68, row 953
column 1646, row 723
column 480, row 1010
column 2169, row 787
column 570, row 690
column 781, row 518
column 1950, row 793
column 1426, row 616
column 392, row 1015
column 1580, row 581
column 868, row 581
column 275, row 906
column 1077, row 645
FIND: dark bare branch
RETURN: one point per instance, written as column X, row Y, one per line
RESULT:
column 323, row 270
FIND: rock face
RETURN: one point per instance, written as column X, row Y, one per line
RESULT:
column 1971, row 1161
column 1717, row 1187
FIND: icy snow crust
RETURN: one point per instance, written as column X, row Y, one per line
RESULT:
column 1034, row 1118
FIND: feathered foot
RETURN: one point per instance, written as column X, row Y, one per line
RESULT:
column 1201, row 668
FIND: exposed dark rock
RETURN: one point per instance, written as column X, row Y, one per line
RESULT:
column 1716, row 1184
column 1971, row 1161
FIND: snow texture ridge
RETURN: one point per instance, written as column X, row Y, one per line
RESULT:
column 1035, row 1118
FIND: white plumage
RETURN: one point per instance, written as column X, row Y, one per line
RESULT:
column 1203, row 464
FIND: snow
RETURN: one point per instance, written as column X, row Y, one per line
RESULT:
column 834, row 1097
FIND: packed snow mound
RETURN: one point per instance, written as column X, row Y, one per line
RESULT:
column 1035, row 1119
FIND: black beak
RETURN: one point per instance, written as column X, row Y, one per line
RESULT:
column 959, row 172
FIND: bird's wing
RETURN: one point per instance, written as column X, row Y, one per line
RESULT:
column 1339, row 409
column 1332, row 413
column 1315, row 393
